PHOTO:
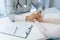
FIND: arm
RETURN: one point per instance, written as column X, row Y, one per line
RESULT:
column 51, row 18
column 10, row 9
column 57, row 21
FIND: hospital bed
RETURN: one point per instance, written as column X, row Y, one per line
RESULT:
column 11, row 30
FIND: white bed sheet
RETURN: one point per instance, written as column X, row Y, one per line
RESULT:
column 52, row 29
column 8, row 27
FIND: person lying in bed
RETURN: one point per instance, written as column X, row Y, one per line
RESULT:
column 48, row 18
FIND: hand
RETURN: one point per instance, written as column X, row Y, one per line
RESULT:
column 35, row 16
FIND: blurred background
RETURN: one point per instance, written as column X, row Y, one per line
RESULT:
column 45, row 3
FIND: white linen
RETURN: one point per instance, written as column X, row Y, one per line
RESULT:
column 52, row 30
column 6, row 26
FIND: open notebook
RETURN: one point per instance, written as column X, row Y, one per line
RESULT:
column 16, row 29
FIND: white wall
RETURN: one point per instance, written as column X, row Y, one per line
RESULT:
column 57, row 4
column 2, row 8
